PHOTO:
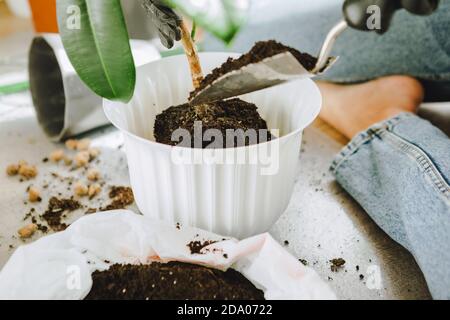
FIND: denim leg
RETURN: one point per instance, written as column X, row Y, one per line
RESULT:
column 399, row 171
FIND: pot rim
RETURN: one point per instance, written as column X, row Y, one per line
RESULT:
column 109, row 104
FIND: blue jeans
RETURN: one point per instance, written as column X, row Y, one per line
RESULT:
column 398, row 170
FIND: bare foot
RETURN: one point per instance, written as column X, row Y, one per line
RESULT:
column 354, row 108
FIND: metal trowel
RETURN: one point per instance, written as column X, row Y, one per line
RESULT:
column 269, row 72
column 363, row 15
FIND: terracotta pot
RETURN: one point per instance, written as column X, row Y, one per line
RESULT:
column 44, row 15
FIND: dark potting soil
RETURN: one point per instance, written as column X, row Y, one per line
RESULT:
column 171, row 281
column 260, row 51
column 55, row 211
column 121, row 197
column 336, row 264
column 196, row 246
column 222, row 115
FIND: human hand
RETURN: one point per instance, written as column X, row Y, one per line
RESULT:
column 165, row 20
column 359, row 13
column 420, row 7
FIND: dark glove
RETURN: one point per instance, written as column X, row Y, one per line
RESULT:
column 357, row 15
column 165, row 20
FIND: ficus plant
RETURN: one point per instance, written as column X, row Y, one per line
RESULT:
column 95, row 37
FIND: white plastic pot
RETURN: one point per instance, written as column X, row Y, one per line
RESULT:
column 236, row 198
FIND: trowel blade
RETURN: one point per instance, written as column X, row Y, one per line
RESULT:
column 267, row 73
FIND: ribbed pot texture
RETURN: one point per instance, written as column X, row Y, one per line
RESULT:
column 237, row 198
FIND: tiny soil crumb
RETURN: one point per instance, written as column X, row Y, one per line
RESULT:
column 231, row 114
column 55, row 211
column 303, row 261
column 41, row 227
column 196, row 246
column 260, row 51
column 361, row 277
column 122, row 197
column 171, row 281
column 336, row 264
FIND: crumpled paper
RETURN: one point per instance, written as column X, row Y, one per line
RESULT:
column 59, row 266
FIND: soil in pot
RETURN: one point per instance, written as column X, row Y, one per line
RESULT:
column 260, row 51
column 221, row 115
column 233, row 114
column 171, row 281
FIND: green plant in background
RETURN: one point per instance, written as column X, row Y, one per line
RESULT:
column 98, row 44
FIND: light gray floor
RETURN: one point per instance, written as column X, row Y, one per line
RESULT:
column 322, row 221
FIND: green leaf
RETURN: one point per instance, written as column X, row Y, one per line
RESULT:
column 96, row 40
column 222, row 18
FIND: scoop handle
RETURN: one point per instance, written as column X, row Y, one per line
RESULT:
column 420, row 7
column 376, row 15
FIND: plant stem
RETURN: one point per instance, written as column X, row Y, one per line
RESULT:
column 191, row 53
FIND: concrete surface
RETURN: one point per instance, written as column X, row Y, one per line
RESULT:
column 321, row 223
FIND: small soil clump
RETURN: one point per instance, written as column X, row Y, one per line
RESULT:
column 304, row 262
column 122, row 197
column 336, row 264
column 55, row 211
column 171, row 281
column 196, row 246
column 233, row 114
column 260, row 51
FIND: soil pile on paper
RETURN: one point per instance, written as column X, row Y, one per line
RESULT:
column 171, row 281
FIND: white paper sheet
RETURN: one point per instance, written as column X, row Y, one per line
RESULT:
column 59, row 266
